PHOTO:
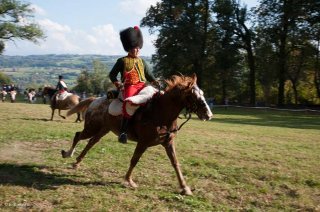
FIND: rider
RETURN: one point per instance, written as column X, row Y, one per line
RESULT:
column 8, row 88
column 13, row 88
column 61, row 87
column 4, row 87
column 134, row 73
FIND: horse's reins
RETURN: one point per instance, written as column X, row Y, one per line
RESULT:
column 167, row 134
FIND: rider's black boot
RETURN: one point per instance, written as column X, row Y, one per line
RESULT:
column 123, row 131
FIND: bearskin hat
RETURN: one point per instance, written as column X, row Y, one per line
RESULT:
column 131, row 38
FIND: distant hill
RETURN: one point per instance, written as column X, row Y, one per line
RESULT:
column 38, row 70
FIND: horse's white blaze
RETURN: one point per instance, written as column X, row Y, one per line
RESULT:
column 200, row 95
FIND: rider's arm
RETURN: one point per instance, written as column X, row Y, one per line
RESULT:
column 117, row 68
column 147, row 72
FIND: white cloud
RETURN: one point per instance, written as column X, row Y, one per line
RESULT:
column 38, row 10
column 51, row 26
column 138, row 7
column 62, row 39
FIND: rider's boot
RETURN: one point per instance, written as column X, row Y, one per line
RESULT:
column 123, row 131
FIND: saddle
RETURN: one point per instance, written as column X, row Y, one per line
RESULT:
column 63, row 96
column 134, row 102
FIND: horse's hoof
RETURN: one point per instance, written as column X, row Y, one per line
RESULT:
column 75, row 165
column 64, row 154
column 131, row 184
column 186, row 191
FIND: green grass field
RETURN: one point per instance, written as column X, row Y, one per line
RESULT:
column 240, row 160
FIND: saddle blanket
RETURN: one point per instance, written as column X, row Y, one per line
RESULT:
column 63, row 95
column 133, row 102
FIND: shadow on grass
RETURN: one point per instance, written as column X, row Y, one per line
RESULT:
column 35, row 119
column 275, row 121
column 39, row 178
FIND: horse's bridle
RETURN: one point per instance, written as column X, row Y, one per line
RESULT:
column 191, row 107
column 193, row 104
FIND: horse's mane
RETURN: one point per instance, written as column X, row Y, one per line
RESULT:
column 50, row 90
column 180, row 82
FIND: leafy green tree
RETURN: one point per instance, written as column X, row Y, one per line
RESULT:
column 266, row 68
column 15, row 23
column 184, row 29
column 227, row 55
column 4, row 79
column 315, row 42
column 95, row 81
column 282, row 21
column 99, row 77
column 83, row 82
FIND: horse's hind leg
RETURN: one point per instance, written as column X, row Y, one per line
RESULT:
column 90, row 144
column 170, row 149
column 140, row 149
column 78, row 118
column 76, row 139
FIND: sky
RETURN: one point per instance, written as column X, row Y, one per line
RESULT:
column 86, row 27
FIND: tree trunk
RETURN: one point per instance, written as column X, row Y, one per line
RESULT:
column 295, row 91
column 282, row 56
column 224, row 87
column 317, row 71
column 252, row 75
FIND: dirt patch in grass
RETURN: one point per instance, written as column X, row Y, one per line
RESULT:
column 21, row 152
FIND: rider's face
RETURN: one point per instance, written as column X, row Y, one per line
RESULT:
column 134, row 52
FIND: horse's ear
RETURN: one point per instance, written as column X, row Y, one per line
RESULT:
column 194, row 80
column 194, row 77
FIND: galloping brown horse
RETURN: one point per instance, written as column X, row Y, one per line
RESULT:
column 151, row 125
column 66, row 104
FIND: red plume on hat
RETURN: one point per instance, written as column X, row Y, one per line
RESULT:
column 131, row 38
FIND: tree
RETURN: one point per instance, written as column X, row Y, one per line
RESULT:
column 15, row 23
column 99, row 77
column 83, row 82
column 281, row 20
column 4, row 79
column 226, row 54
column 183, row 36
column 95, row 81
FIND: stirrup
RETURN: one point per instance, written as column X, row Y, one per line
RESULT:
column 123, row 138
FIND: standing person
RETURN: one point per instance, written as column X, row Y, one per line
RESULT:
column 134, row 73
column 13, row 88
column 8, row 89
column 61, row 87
column 4, row 87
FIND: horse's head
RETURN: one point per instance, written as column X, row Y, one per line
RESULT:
column 193, row 96
column 48, row 91
column 45, row 91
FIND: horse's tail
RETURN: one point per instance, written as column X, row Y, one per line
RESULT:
column 81, row 107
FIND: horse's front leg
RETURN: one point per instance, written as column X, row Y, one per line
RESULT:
column 171, row 152
column 78, row 118
column 52, row 113
column 90, row 144
column 140, row 149
column 61, row 115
